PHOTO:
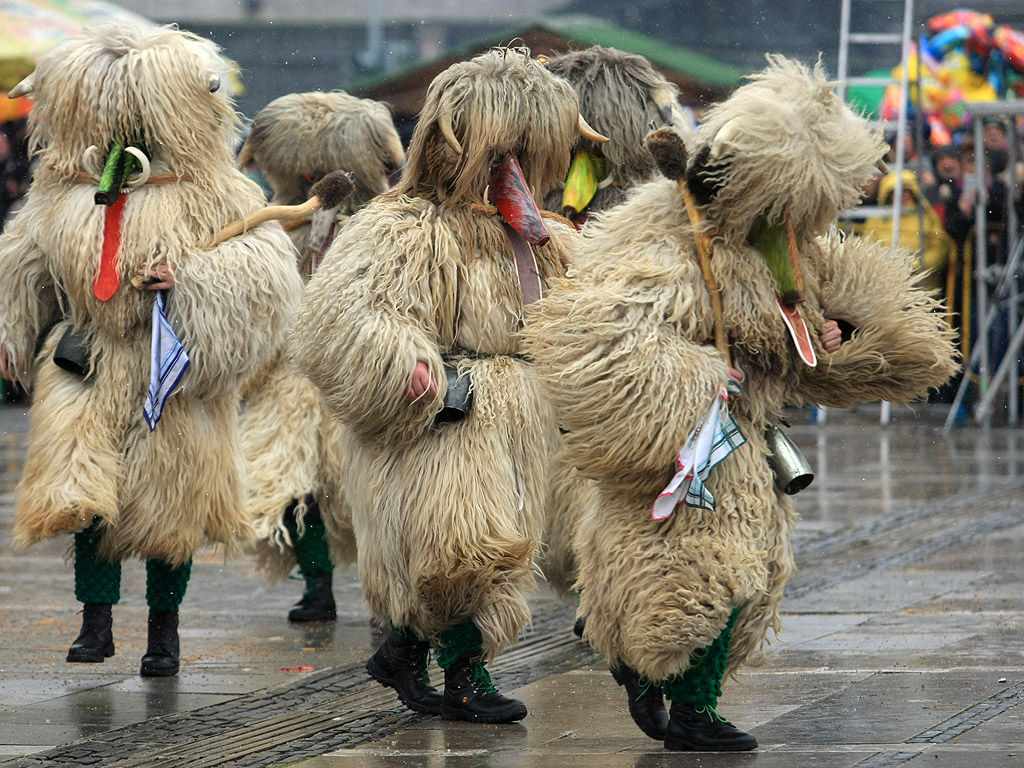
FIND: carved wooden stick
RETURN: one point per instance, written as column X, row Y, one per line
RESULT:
column 329, row 192
column 669, row 153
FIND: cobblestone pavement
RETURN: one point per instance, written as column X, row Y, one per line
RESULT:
column 903, row 642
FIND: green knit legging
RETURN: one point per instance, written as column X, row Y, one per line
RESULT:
column 311, row 550
column 701, row 684
column 462, row 640
column 98, row 581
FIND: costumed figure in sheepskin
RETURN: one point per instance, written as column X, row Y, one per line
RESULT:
column 411, row 330
column 683, row 563
column 622, row 96
column 290, row 441
column 111, row 300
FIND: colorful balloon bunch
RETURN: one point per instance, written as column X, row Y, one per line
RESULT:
column 965, row 58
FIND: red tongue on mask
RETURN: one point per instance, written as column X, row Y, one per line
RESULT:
column 511, row 196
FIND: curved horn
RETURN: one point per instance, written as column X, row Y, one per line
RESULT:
column 665, row 101
column 444, row 122
column 882, row 166
column 589, row 133
column 395, row 151
column 89, row 161
column 24, row 87
column 724, row 134
column 213, row 83
column 246, row 153
column 143, row 176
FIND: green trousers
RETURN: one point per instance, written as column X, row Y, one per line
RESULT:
column 701, row 684
column 310, row 544
column 98, row 581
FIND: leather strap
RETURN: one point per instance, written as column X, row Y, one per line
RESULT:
column 526, row 267
column 166, row 178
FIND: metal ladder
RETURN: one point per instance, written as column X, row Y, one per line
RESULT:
column 903, row 38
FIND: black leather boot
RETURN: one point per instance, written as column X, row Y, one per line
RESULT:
column 470, row 695
column 96, row 640
column 161, row 659
column 402, row 665
column 704, row 730
column 646, row 704
column 317, row 602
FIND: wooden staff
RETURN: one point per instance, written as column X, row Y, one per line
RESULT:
column 669, row 153
column 329, row 192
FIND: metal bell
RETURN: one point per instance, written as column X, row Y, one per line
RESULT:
column 458, row 397
column 792, row 471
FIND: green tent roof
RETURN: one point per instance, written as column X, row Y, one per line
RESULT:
column 585, row 31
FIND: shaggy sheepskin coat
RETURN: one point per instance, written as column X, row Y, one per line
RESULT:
column 626, row 349
column 292, row 444
column 622, row 97
column 447, row 517
column 91, row 454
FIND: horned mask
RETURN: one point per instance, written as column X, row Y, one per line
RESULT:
column 156, row 90
column 783, row 145
column 500, row 127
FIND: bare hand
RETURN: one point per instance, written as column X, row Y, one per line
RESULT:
column 735, row 376
column 422, row 383
column 830, row 336
column 158, row 277
column 966, row 202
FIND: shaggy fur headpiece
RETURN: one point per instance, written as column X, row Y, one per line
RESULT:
column 783, row 142
column 622, row 97
column 312, row 134
column 118, row 82
column 497, row 102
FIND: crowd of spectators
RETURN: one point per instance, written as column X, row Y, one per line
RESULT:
column 938, row 217
column 15, row 167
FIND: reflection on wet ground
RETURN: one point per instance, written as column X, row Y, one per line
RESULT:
column 902, row 641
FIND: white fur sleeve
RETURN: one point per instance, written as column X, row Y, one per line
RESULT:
column 627, row 379
column 231, row 306
column 29, row 300
column 365, row 321
column 901, row 345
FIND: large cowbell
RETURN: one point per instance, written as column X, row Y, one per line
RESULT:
column 511, row 196
column 790, row 467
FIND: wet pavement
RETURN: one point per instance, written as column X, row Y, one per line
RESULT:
column 903, row 641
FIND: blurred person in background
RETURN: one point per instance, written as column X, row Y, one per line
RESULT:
column 15, row 167
column 931, row 243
